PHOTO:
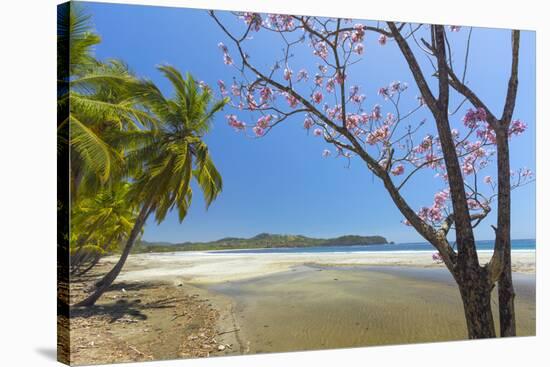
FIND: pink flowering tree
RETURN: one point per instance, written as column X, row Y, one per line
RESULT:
column 457, row 144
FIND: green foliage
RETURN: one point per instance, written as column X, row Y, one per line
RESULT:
column 101, row 223
column 169, row 156
column 103, row 101
column 133, row 151
column 263, row 240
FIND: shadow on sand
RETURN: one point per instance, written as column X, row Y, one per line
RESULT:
column 122, row 307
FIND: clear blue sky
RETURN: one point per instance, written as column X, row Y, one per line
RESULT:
column 280, row 184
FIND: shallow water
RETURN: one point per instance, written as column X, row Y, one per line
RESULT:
column 313, row 307
column 482, row 246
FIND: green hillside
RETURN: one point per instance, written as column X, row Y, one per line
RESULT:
column 262, row 240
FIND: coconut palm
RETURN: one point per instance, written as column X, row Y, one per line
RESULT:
column 99, row 224
column 166, row 159
column 101, row 98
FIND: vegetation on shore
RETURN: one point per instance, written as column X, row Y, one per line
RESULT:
column 262, row 240
column 134, row 150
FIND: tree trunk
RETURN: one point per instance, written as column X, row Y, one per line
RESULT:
column 476, row 298
column 506, row 297
column 111, row 276
column 503, row 244
column 90, row 267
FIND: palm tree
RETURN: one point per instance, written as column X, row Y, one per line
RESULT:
column 101, row 98
column 99, row 224
column 167, row 158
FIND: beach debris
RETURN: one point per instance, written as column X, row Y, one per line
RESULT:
column 192, row 337
column 140, row 352
column 221, row 347
column 228, row 331
column 123, row 290
column 178, row 316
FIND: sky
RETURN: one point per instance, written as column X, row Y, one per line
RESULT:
column 280, row 183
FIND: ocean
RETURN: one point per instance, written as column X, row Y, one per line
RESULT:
column 517, row 245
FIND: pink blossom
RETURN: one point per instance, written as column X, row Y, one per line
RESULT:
column 526, row 173
column 468, row 168
column 440, row 198
column 390, row 119
column 227, row 60
column 397, row 86
column 335, row 112
column 326, row 153
column 318, row 80
column 265, row 94
column 359, row 49
column 355, row 96
column 340, row 77
column 358, row 33
column 376, row 113
column 352, row 121
column 473, row 204
column 202, row 84
column 487, row 134
column 488, row 180
column 264, row 121
column 308, row 123
column 472, row 117
column 287, row 75
column 320, row 49
column 221, row 85
column 398, row 170
column 233, row 122
column 254, row 20
column 222, row 47
column 383, row 91
column 378, row 135
column 330, row 85
column 280, row 22
column 317, row 132
column 382, row 40
column 258, row 131
column 454, row 28
column 435, row 214
column 317, row 97
column 517, row 127
column 251, row 101
column 302, row 75
column 235, row 90
column 292, row 101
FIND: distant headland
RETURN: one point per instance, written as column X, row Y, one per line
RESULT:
column 262, row 240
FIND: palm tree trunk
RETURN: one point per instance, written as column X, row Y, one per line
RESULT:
column 111, row 276
column 90, row 267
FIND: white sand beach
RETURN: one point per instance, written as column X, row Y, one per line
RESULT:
column 210, row 267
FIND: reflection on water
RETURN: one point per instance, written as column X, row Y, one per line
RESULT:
column 315, row 307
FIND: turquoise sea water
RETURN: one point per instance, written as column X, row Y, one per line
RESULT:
column 517, row 245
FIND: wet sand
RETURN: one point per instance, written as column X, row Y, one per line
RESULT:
column 258, row 303
column 313, row 307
